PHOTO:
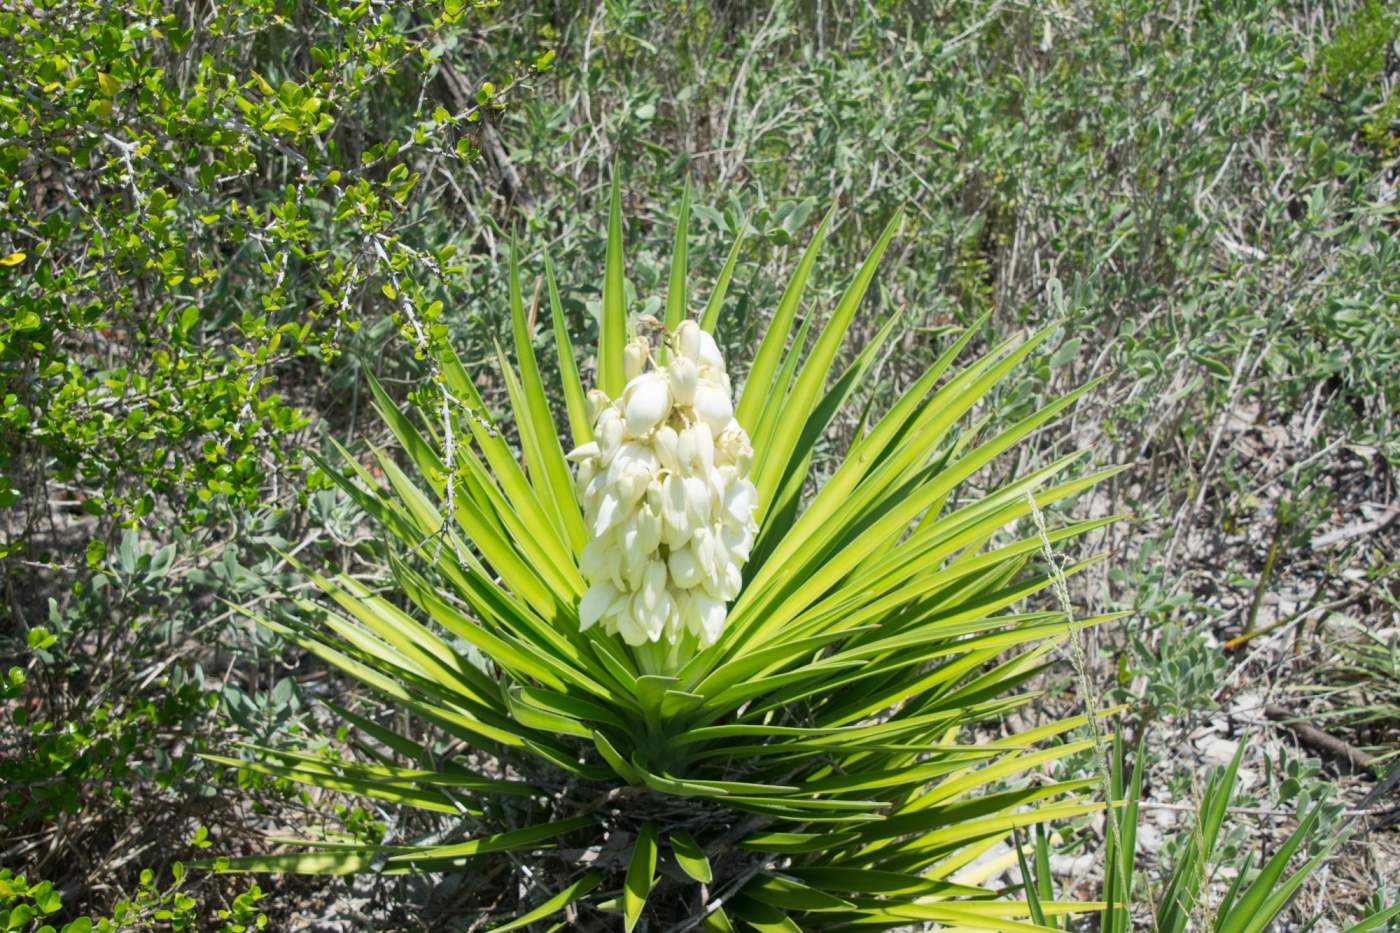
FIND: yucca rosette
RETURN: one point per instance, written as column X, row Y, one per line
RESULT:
column 778, row 667
column 667, row 499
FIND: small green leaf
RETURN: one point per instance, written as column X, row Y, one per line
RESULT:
column 641, row 876
column 691, row 857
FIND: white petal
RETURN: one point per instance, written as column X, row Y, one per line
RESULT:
column 592, row 563
column 685, row 447
column 648, row 530
column 617, row 566
column 713, row 405
column 634, row 574
column 685, row 570
column 597, row 401
column 733, row 581
column 586, row 471
column 648, row 621
column 739, row 501
column 634, row 356
column 584, row 451
column 631, row 544
column 648, row 402
column 703, row 544
column 686, row 340
column 676, row 522
column 653, row 583
column 631, row 630
column 703, row 457
column 610, row 512
column 697, row 500
column 711, row 617
column 684, row 376
column 738, row 540
column 634, row 457
column 595, row 603
column 664, row 442
column 709, row 354
column 609, row 431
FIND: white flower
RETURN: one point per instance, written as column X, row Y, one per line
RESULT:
column 646, row 403
column 708, row 353
column 634, row 357
column 666, row 497
column 686, row 340
column 684, row 376
column 712, row 403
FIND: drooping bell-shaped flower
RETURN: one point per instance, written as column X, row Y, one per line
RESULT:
column 666, row 497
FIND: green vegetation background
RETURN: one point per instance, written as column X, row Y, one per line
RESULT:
column 215, row 218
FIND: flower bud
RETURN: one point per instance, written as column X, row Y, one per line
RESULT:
column 665, row 441
column 609, row 431
column 686, row 340
column 707, row 354
column 684, row 376
column 713, row 405
column 597, row 401
column 634, row 357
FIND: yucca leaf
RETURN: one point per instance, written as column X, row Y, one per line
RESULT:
column 1029, row 882
column 1179, row 898
column 554, row 484
column 768, row 419
column 1375, row 920
column 346, row 782
column 1270, row 892
column 758, row 383
column 871, row 882
column 791, row 475
column 612, row 327
column 390, row 739
column 528, row 837
column 524, row 505
column 786, row 843
column 998, row 916
column 455, row 720
column 800, row 402
column 554, row 904
column 789, row 894
column 763, row 917
column 710, row 318
column 795, row 580
column 524, row 659
column 837, row 505
column 574, row 398
column 676, row 303
column 342, row 862
column 615, row 759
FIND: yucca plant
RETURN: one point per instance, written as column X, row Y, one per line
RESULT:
column 672, row 683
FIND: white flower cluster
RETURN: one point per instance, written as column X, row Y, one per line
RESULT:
column 666, row 496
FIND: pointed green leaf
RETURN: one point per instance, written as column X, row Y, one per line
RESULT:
column 641, row 876
column 675, row 289
column 690, row 856
column 555, row 904
column 612, row 331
